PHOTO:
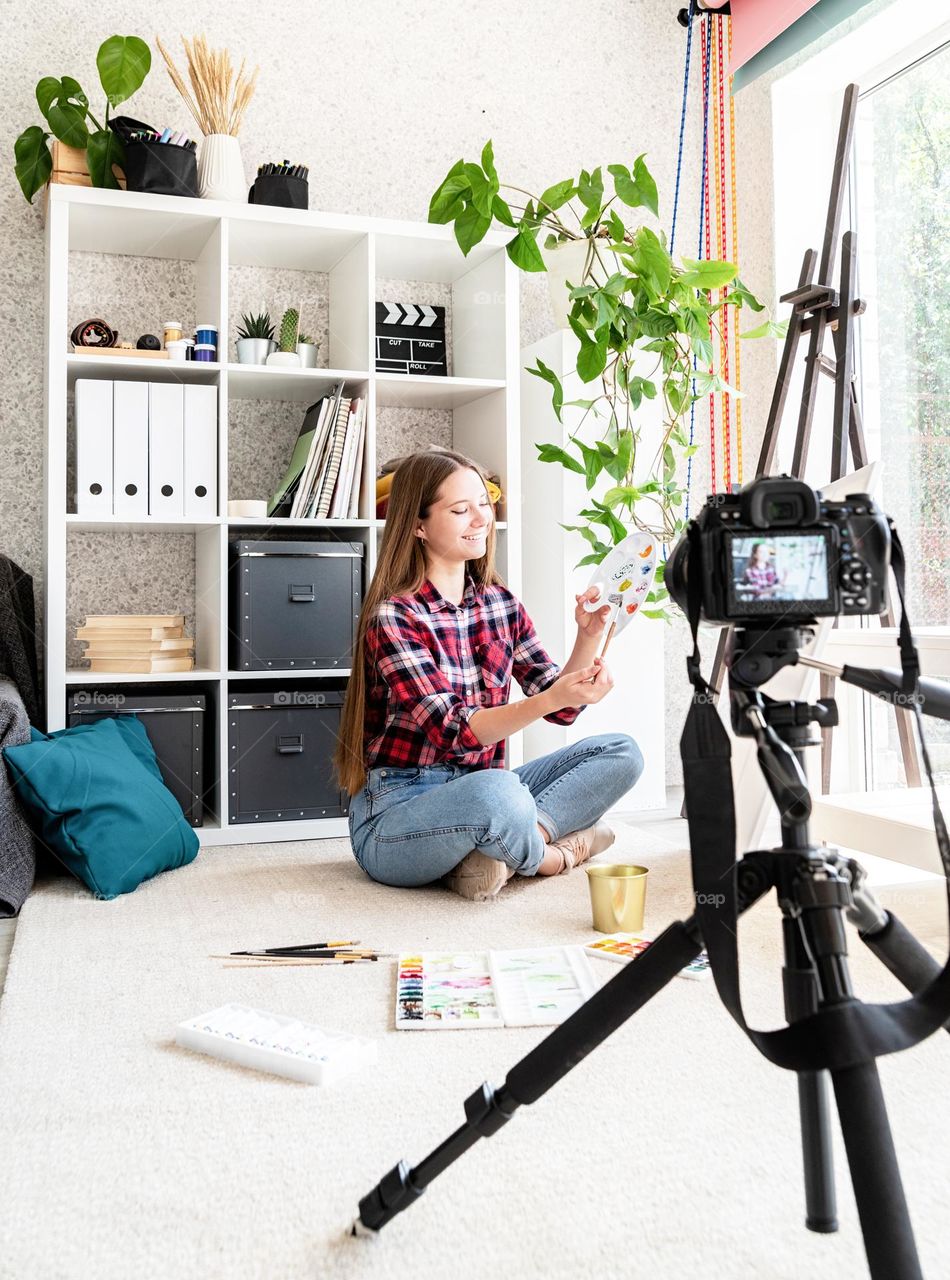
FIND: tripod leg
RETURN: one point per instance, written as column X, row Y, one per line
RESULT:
column 882, row 1207
column 487, row 1110
column 814, row 1097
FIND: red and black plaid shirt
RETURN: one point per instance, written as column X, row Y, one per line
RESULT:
column 431, row 664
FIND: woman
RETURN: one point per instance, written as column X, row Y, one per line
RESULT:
column 422, row 737
column 759, row 575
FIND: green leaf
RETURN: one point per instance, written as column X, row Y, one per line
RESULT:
column 524, row 252
column 770, row 329
column 647, row 187
column 740, row 296
column 447, row 203
column 483, row 190
column 104, row 150
column 593, row 463
column 470, row 228
column 123, row 63
column 652, row 260
column 34, row 164
column 553, row 453
column 622, row 493
column 707, row 275
column 548, row 375
column 606, row 308
column 64, row 105
column 637, row 189
column 590, row 192
column 488, row 163
column 615, row 227
column 501, row 212
column 557, row 195
column 592, row 357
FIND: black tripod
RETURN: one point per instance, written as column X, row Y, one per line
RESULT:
column 816, row 889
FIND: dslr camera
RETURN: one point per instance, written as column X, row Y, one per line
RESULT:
column 777, row 549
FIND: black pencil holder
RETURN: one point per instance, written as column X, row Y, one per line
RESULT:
column 156, row 167
column 280, row 189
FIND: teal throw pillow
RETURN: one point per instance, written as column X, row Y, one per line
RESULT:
column 95, row 796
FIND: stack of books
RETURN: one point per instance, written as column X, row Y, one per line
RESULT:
column 323, row 478
column 137, row 642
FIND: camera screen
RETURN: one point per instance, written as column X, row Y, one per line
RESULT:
column 776, row 567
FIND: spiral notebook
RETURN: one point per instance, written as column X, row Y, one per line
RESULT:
column 528, row 987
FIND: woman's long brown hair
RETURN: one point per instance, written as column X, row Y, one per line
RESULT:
column 401, row 571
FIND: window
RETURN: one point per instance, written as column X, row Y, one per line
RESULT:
column 901, row 212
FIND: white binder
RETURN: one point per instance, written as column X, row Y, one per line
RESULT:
column 130, row 448
column 201, row 452
column 93, row 406
column 166, row 449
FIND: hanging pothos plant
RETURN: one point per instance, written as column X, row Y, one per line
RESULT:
column 641, row 320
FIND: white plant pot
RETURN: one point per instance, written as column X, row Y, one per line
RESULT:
column 220, row 169
column 284, row 359
column 565, row 263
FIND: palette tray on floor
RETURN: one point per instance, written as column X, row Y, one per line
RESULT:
column 529, row 987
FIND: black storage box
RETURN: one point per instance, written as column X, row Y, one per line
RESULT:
column 175, row 727
column 294, row 604
column 280, row 755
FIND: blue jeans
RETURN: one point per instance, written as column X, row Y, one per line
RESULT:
column 410, row 826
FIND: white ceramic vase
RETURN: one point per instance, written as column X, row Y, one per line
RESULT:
column 220, row 169
column 566, row 263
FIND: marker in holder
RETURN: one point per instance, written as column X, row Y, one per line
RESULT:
column 282, row 184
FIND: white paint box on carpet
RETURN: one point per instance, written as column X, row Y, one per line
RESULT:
column 270, row 1042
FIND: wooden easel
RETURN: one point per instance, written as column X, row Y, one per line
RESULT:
column 816, row 309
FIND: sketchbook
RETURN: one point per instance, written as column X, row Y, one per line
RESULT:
column 529, row 987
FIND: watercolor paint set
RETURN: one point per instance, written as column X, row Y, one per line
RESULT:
column 621, row 947
column 270, row 1042
column 530, row 987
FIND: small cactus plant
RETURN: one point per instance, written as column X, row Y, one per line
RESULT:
column 256, row 326
column 288, row 330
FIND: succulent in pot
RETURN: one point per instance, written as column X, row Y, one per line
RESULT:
column 255, row 339
column 307, row 349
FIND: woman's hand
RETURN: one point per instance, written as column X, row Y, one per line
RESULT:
column 580, row 688
column 590, row 625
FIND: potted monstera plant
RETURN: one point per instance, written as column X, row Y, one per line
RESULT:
column 640, row 319
column 123, row 63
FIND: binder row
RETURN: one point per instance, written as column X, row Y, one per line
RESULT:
column 146, row 449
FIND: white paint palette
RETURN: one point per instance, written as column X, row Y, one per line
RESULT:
column 624, row 579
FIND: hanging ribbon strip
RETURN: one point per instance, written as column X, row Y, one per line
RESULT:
column 735, row 258
column 709, row 68
column 718, row 237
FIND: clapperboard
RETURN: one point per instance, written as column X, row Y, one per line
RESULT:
column 410, row 339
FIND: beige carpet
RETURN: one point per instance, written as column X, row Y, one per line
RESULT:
column 672, row 1151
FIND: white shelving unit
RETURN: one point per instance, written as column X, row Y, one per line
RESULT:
column 355, row 253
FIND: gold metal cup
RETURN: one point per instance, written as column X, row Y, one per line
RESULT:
column 618, row 894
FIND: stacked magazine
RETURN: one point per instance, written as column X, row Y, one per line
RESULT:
column 322, row 480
